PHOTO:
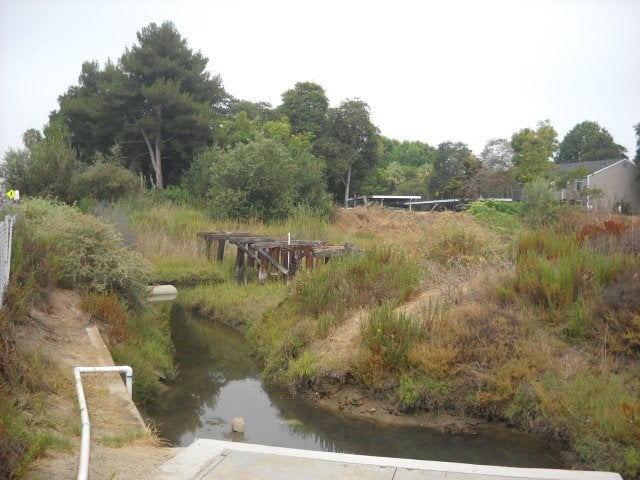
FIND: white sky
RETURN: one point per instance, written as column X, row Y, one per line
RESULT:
column 431, row 71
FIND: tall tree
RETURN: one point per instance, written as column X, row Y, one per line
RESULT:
column 413, row 153
column 158, row 102
column 497, row 155
column 637, row 129
column 306, row 105
column 175, row 98
column 94, row 110
column 533, row 150
column 588, row 141
column 454, row 166
column 45, row 166
column 349, row 145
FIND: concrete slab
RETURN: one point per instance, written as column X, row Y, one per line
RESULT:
column 216, row 459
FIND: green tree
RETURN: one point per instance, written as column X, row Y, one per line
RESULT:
column 588, row 141
column 159, row 103
column 306, row 105
column 248, row 181
column 454, row 166
column 349, row 145
column 533, row 150
column 412, row 153
column 94, row 111
column 45, row 166
column 175, row 98
column 239, row 129
column 497, row 155
column 637, row 129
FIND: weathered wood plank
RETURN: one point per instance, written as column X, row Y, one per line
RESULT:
column 273, row 261
column 220, row 255
column 239, row 265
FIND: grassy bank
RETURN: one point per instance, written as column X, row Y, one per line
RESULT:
column 517, row 324
column 537, row 328
column 56, row 246
column 473, row 313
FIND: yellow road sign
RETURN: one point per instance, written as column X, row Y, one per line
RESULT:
column 11, row 194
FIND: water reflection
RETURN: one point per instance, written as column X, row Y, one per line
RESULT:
column 219, row 380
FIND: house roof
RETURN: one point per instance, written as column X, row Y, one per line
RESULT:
column 593, row 165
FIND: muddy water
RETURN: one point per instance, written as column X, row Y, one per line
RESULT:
column 219, row 380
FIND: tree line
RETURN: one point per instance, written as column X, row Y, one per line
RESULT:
column 159, row 118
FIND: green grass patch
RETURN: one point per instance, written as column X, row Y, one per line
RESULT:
column 601, row 414
column 500, row 216
column 148, row 350
column 232, row 304
column 186, row 271
column 119, row 441
column 554, row 271
column 389, row 336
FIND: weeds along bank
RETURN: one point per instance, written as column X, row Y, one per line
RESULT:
column 473, row 313
column 477, row 313
column 535, row 327
column 56, row 246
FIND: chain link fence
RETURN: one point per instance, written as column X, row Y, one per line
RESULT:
column 6, row 233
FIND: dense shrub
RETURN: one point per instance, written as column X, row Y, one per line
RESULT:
column 540, row 205
column 66, row 248
column 104, row 181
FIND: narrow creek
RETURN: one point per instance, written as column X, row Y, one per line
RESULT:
column 219, row 380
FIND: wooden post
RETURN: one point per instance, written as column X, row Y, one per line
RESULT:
column 262, row 275
column 240, row 266
column 308, row 254
column 275, row 254
column 250, row 260
column 207, row 242
column 220, row 256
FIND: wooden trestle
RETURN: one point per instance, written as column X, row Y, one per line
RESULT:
column 275, row 256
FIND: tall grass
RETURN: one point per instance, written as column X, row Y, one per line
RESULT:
column 554, row 271
column 602, row 415
column 148, row 350
column 389, row 335
column 380, row 275
column 459, row 241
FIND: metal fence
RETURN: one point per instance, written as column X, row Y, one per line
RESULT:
column 6, row 233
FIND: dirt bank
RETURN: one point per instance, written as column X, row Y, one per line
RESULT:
column 57, row 333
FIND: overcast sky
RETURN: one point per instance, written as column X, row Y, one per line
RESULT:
column 431, row 71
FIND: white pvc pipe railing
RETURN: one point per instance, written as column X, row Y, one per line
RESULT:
column 83, row 468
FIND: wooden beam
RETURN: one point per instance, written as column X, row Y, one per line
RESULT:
column 220, row 256
column 240, row 265
column 273, row 261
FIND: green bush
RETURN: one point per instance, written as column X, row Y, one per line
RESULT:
column 540, row 205
column 66, row 248
column 104, row 181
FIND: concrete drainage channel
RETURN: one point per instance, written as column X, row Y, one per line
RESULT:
column 85, row 442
